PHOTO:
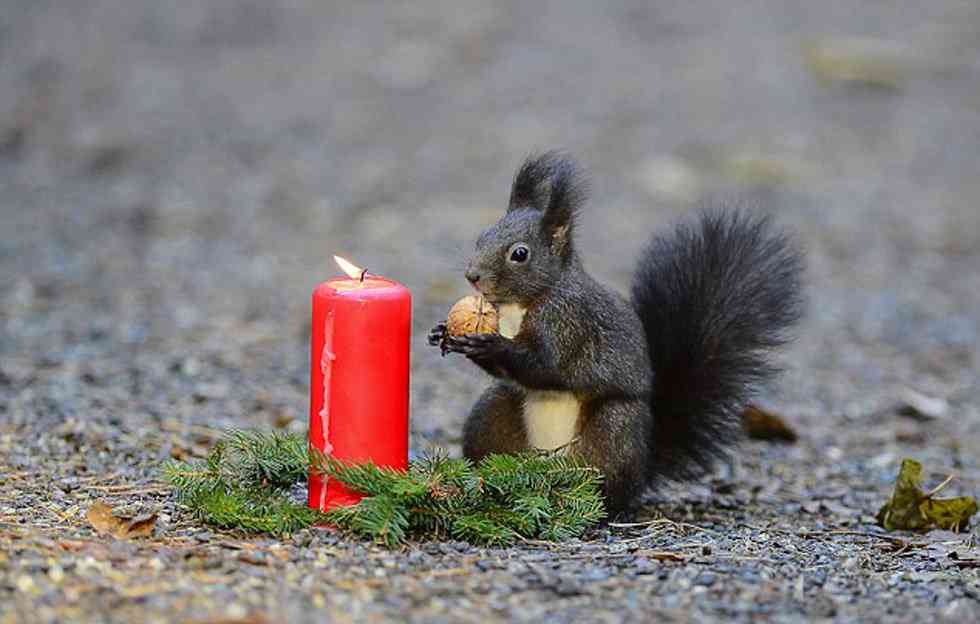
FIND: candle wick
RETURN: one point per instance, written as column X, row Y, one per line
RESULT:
column 363, row 273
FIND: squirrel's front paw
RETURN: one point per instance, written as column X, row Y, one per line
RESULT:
column 437, row 337
column 476, row 346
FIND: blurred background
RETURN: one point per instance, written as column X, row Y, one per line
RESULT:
column 175, row 177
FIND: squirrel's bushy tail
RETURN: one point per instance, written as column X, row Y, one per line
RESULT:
column 715, row 297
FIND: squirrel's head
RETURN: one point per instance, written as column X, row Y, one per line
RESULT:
column 523, row 255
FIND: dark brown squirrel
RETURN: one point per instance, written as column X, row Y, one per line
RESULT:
column 647, row 389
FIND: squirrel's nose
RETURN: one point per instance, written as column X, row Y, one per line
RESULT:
column 473, row 276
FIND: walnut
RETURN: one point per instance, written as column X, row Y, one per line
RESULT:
column 472, row 315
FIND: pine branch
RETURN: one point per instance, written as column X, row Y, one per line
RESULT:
column 252, row 457
column 484, row 527
column 504, row 498
column 366, row 478
column 243, row 484
column 251, row 511
column 382, row 517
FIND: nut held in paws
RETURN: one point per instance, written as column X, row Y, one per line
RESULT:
column 472, row 315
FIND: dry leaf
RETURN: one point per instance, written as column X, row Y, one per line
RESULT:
column 663, row 555
column 100, row 517
column 912, row 509
column 102, row 520
column 762, row 425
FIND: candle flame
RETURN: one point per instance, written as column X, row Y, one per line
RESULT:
column 348, row 267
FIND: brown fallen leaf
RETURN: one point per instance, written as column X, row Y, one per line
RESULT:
column 663, row 555
column 762, row 425
column 102, row 520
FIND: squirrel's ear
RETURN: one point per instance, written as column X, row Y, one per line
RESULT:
column 553, row 184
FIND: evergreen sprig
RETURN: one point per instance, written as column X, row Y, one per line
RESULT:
column 244, row 484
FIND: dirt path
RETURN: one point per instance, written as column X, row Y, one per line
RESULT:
column 174, row 182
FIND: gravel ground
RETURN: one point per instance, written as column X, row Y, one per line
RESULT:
column 175, row 177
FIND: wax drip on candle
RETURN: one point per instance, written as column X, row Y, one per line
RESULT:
column 326, row 367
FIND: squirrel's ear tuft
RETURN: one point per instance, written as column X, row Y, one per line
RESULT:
column 553, row 184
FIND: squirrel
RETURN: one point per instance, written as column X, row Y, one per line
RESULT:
column 648, row 389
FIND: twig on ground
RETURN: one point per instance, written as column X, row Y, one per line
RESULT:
column 939, row 488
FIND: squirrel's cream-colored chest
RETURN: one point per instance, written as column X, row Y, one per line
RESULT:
column 510, row 316
column 550, row 417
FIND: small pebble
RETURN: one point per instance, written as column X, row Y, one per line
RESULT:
column 706, row 579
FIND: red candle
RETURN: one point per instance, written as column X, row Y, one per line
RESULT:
column 358, row 376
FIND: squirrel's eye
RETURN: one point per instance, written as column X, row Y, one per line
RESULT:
column 518, row 253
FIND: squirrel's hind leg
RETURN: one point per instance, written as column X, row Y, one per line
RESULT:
column 613, row 438
column 496, row 423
